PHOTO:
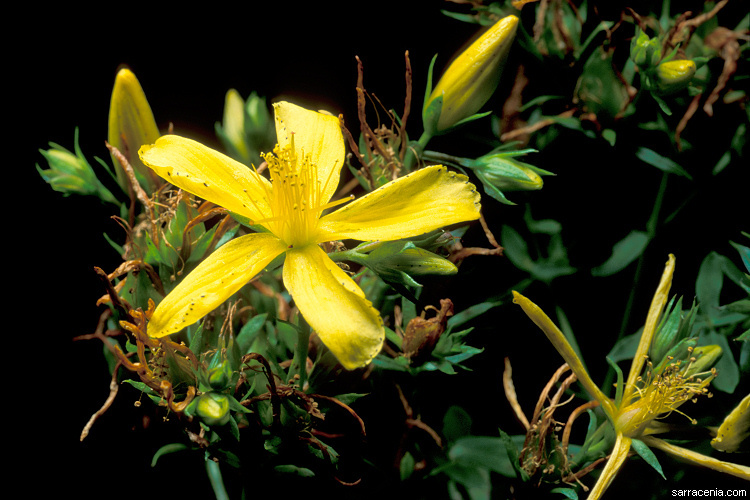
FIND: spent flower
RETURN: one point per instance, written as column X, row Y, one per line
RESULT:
column 646, row 396
column 288, row 209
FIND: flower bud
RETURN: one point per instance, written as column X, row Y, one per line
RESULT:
column 247, row 127
column 220, row 376
column 471, row 78
column 672, row 329
column 71, row 173
column 131, row 124
column 673, row 76
column 397, row 261
column 213, row 408
column 734, row 429
column 501, row 172
column 645, row 51
column 705, row 358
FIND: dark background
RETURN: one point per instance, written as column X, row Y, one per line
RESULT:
column 62, row 72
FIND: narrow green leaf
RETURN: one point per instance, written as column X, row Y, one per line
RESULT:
column 647, row 455
column 166, row 450
column 624, row 252
column 661, row 162
column 619, row 386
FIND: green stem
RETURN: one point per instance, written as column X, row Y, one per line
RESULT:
column 415, row 151
column 217, row 482
column 300, row 354
column 651, row 227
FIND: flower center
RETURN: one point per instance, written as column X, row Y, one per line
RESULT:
column 660, row 394
column 296, row 197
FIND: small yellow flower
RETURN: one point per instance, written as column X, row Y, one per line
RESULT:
column 304, row 173
column 472, row 77
column 644, row 400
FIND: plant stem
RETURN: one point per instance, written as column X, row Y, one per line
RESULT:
column 300, row 354
column 217, row 482
column 651, row 226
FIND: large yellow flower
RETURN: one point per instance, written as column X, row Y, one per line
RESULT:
column 304, row 174
column 644, row 399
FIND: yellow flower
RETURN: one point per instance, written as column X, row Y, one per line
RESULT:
column 472, row 77
column 304, row 173
column 644, row 399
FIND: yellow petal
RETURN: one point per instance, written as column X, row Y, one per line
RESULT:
column 654, row 312
column 616, row 459
column 734, row 429
column 209, row 174
column 215, row 279
column 693, row 457
column 334, row 306
column 567, row 352
column 316, row 135
column 415, row 204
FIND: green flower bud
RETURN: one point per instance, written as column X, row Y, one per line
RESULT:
column 71, row 173
column 645, row 51
column 500, row 172
column 471, row 78
column 213, row 408
column 247, row 127
column 220, row 376
column 131, row 125
column 673, row 76
column 672, row 329
column 397, row 261
column 702, row 359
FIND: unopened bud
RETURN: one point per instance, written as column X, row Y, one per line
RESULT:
column 471, row 79
column 70, row 173
column 673, row 76
column 131, row 125
column 213, row 408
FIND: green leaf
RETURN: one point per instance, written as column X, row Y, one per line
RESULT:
column 647, row 455
column 729, row 371
column 456, row 423
column 486, row 452
column 470, row 313
column 619, row 386
column 249, row 331
column 661, row 162
column 166, row 450
column 293, row 469
column 624, row 252
column 566, row 492
column 625, row 347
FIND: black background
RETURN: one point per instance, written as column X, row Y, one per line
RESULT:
column 61, row 72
